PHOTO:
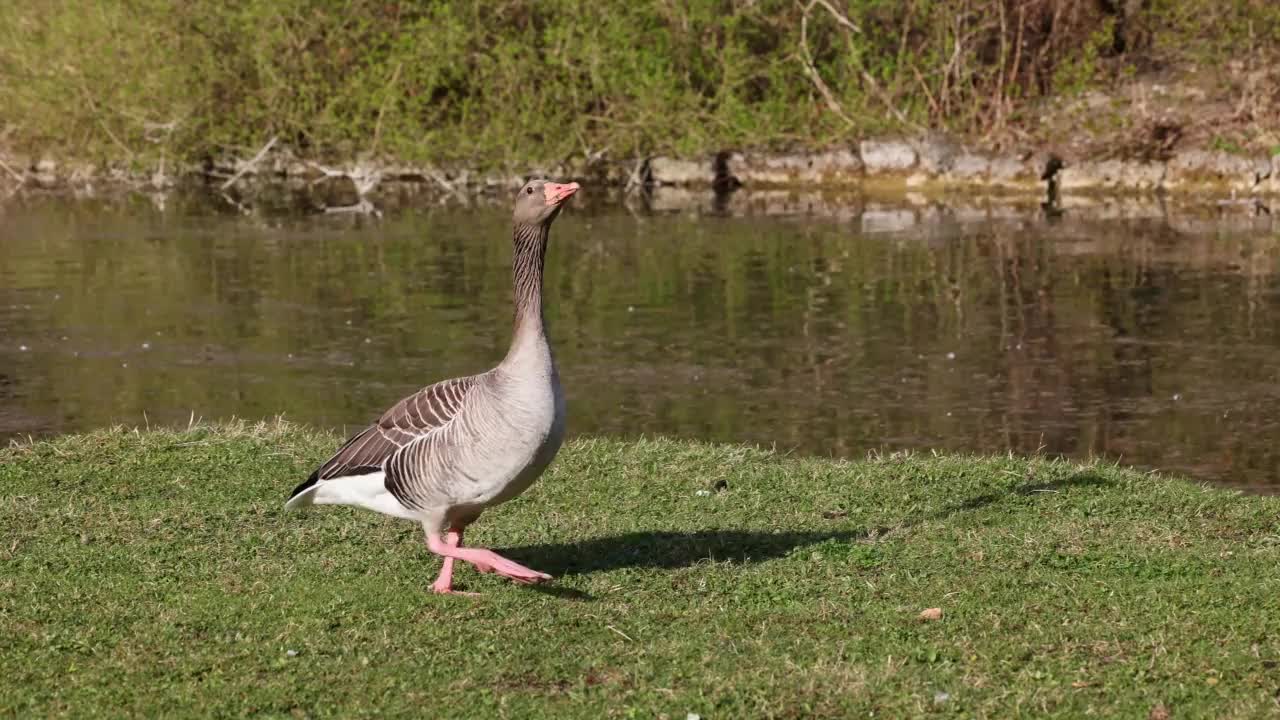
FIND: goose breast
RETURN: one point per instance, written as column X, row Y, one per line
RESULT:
column 502, row 439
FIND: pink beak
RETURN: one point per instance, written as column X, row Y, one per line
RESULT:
column 557, row 193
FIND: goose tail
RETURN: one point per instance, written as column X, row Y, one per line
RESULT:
column 303, row 495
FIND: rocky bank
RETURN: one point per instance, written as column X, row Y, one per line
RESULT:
column 927, row 166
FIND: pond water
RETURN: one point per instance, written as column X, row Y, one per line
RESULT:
column 1131, row 340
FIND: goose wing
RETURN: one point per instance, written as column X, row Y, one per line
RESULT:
column 414, row 417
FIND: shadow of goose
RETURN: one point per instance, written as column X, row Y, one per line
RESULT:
column 672, row 549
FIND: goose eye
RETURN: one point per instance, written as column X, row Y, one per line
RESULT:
column 528, row 191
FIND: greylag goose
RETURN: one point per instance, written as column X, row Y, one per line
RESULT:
column 448, row 452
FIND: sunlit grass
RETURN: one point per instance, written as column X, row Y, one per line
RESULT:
column 154, row 572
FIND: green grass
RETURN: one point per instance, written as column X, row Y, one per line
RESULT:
column 154, row 572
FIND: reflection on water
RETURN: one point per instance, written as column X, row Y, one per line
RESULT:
column 1128, row 340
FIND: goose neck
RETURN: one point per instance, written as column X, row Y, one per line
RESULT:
column 528, row 254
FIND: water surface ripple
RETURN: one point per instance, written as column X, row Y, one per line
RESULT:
column 1132, row 340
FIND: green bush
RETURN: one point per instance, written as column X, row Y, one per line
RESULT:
column 514, row 81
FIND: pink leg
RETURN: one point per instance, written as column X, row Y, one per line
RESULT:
column 484, row 560
column 444, row 583
column 453, row 538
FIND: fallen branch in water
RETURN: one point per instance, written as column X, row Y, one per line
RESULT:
column 160, row 134
column 250, row 165
column 448, row 186
column 364, row 207
column 364, row 178
column 20, row 178
column 244, row 209
column 636, row 179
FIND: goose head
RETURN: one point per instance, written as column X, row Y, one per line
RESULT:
column 539, row 201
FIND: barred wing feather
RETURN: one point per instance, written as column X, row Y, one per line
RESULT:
column 414, row 417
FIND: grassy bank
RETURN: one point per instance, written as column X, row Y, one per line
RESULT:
column 516, row 82
column 155, row 571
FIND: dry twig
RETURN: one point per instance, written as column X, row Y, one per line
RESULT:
column 244, row 210
column 20, row 178
column 365, row 178
column 249, row 165
column 635, row 180
column 382, row 109
column 806, row 59
column 364, row 207
column 448, row 186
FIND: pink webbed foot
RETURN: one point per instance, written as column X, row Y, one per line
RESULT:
column 485, row 561
column 507, row 568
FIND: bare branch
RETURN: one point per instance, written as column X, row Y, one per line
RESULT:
column 365, row 178
column 382, row 109
column 159, row 132
column 448, row 186
column 364, row 207
column 839, row 16
column 806, row 59
column 249, row 165
column 20, row 178
column 244, row 210
column 97, row 114
column 634, row 180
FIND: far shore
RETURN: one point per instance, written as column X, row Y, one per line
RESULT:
column 924, row 171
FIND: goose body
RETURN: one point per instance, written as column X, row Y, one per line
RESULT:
column 446, row 453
